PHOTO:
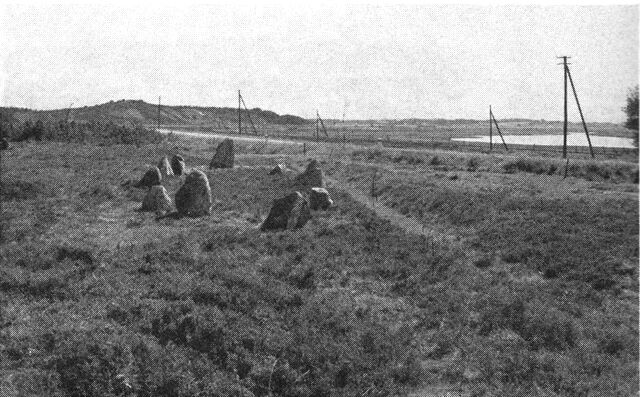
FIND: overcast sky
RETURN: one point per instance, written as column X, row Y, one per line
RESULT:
column 439, row 61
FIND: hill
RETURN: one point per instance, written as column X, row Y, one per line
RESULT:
column 140, row 112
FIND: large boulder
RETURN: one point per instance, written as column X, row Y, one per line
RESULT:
column 194, row 197
column 165, row 167
column 224, row 155
column 4, row 144
column 319, row 199
column 289, row 212
column 150, row 178
column 311, row 177
column 177, row 165
column 157, row 200
column 278, row 169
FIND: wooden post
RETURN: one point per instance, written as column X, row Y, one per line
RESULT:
column 564, row 128
column 241, row 101
column 490, row 131
column 584, row 124
column 498, row 128
column 159, row 112
column 304, row 148
column 239, row 119
column 373, row 186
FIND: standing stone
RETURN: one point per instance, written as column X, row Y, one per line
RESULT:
column 224, row 155
column 151, row 178
column 157, row 200
column 311, row 177
column 177, row 165
column 319, row 198
column 289, row 212
column 194, row 197
column 4, row 144
column 165, row 167
column 278, row 169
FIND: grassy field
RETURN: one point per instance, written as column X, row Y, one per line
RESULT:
column 523, row 283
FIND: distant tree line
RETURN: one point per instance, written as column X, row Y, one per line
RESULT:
column 631, row 109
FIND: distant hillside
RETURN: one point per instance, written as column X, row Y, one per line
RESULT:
column 140, row 112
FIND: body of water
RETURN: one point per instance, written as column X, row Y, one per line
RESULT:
column 574, row 139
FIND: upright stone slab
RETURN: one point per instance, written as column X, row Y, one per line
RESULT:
column 150, row 178
column 224, row 155
column 311, row 177
column 194, row 197
column 4, row 144
column 290, row 212
column 319, row 199
column 165, row 167
column 157, row 200
column 178, row 165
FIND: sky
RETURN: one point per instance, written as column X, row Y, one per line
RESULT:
column 360, row 61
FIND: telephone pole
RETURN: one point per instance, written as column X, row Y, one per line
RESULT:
column 567, row 76
column 564, row 128
column 584, row 123
column 493, row 118
column 239, row 118
column 159, row 98
column 490, row 131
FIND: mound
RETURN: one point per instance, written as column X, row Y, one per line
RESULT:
column 311, row 177
column 224, row 155
column 319, row 198
column 151, row 178
column 289, row 212
column 178, row 165
column 194, row 197
column 165, row 167
column 157, row 200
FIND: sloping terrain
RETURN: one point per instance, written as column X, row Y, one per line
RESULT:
column 140, row 112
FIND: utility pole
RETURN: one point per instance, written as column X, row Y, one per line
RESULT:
column 564, row 128
column 584, row 124
column 567, row 76
column 159, row 98
column 490, row 131
column 492, row 117
column 320, row 123
column 241, row 102
column 239, row 119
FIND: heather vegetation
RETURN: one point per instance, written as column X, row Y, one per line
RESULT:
column 524, row 283
column 557, row 283
column 621, row 171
